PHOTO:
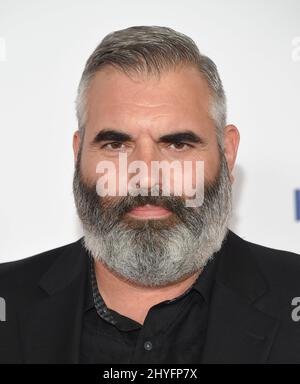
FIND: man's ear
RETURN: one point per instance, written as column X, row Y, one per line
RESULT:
column 231, row 144
column 76, row 144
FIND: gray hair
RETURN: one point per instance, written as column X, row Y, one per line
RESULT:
column 152, row 50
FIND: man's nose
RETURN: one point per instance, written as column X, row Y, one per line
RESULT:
column 143, row 157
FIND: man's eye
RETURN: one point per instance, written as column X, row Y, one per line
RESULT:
column 180, row 146
column 113, row 146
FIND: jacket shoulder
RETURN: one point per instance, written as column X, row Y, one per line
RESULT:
column 14, row 272
column 281, row 268
column 276, row 259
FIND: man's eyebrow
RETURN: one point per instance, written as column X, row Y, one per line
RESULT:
column 182, row 136
column 111, row 134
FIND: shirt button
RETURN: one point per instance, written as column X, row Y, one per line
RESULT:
column 148, row 345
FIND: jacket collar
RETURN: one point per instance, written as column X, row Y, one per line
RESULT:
column 238, row 269
column 65, row 269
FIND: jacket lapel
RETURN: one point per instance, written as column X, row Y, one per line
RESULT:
column 50, row 329
column 239, row 331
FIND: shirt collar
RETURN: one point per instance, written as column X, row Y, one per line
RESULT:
column 89, row 302
column 206, row 278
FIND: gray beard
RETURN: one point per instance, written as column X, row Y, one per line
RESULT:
column 154, row 253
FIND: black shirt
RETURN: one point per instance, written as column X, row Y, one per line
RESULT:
column 173, row 331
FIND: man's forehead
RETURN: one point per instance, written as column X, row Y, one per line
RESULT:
column 114, row 98
column 176, row 85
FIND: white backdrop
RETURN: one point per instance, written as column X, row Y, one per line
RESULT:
column 43, row 49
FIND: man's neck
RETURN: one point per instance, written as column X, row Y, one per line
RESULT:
column 132, row 300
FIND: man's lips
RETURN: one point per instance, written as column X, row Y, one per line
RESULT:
column 149, row 211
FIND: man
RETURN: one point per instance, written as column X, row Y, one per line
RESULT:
column 153, row 280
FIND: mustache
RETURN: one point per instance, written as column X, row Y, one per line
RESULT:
column 124, row 204
column 114, row 210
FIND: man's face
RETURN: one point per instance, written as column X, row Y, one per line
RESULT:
column 152, row 119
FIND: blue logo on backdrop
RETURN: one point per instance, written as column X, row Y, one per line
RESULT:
column 297, row 201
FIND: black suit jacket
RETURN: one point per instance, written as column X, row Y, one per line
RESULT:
column 250, row 313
